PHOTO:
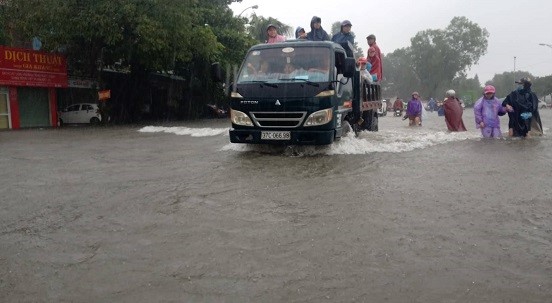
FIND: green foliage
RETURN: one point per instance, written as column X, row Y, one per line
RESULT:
column 230, row 33
column 435, row 59
column 438, row 56
column 4, row 27
column 542, row 86
column 400, row 78
column 469, row 90
column 141, row 36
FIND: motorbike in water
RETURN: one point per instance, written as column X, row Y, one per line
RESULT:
column 397, row 113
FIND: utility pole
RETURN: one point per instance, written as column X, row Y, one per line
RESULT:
column 514, row 71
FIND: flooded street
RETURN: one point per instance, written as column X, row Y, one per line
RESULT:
column 179, row 214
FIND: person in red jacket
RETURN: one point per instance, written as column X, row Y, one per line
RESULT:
column 376, row 63
column 371, row 39
column 398, row 104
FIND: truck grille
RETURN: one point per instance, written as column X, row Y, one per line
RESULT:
column 278, row 119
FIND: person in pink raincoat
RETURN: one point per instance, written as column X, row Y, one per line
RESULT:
column 272, row 34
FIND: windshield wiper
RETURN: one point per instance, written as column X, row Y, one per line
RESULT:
column 262, row 83
column 301, row 79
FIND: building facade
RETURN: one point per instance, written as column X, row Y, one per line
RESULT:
column 28, row 83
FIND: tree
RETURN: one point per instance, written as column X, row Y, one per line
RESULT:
column 140, row 36
column 469, row 90
column 400, row 78
column 438, row 56
column 435, row 59
column 542, row 86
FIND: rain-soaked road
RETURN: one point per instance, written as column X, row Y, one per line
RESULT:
column 131, row 214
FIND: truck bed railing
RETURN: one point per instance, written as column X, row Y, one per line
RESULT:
column 371, row 92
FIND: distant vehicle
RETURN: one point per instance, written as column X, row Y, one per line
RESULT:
column 382, row 111
column 542, row 104
column 398, row 112
column 80, row 113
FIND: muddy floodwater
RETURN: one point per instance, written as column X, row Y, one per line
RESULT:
column 176, row 213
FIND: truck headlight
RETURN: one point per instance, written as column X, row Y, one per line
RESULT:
column 320, row 117
column 240, row 118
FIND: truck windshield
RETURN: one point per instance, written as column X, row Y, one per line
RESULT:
column 287, row 64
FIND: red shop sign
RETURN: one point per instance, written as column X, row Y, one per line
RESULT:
column 23, row 67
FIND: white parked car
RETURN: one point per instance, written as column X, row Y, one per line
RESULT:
column 542, row 104
column 80, row 113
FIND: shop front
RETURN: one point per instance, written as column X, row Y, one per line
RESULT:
column 28, row 83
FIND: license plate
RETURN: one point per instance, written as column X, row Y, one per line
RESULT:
column 275, row 135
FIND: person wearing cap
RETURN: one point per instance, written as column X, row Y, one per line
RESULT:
column 523, row 110
column 272, row 34
column 365, row 66
column 487, row 111
column 414, row 110
column 376, row 64
column 453, row 112
column 371, row 39
column 344, row 34
column 317, row 33
column 300, row 33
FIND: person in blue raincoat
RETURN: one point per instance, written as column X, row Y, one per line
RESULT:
column 300, row 33
column 440, row 109
column 431, row 105
column 344, row 34
column 317, row 33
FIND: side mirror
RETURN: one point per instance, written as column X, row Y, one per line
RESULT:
column 216, row 72
column 349, row 67
column 348, row 47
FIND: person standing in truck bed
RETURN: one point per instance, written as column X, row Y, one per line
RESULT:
column 272, row 34
column 300, row 33
column 317, row 33
column 376, row 64
column 344, row 34
column 371, row 39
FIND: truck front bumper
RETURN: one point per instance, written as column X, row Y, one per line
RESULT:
column 298, row 137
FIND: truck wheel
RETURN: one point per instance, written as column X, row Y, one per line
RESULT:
column 345, row 128
column 374, row 123
column 370, row 120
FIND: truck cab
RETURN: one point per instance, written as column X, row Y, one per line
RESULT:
column 295, row 93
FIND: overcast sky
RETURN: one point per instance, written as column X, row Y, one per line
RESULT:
column 516, row 27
